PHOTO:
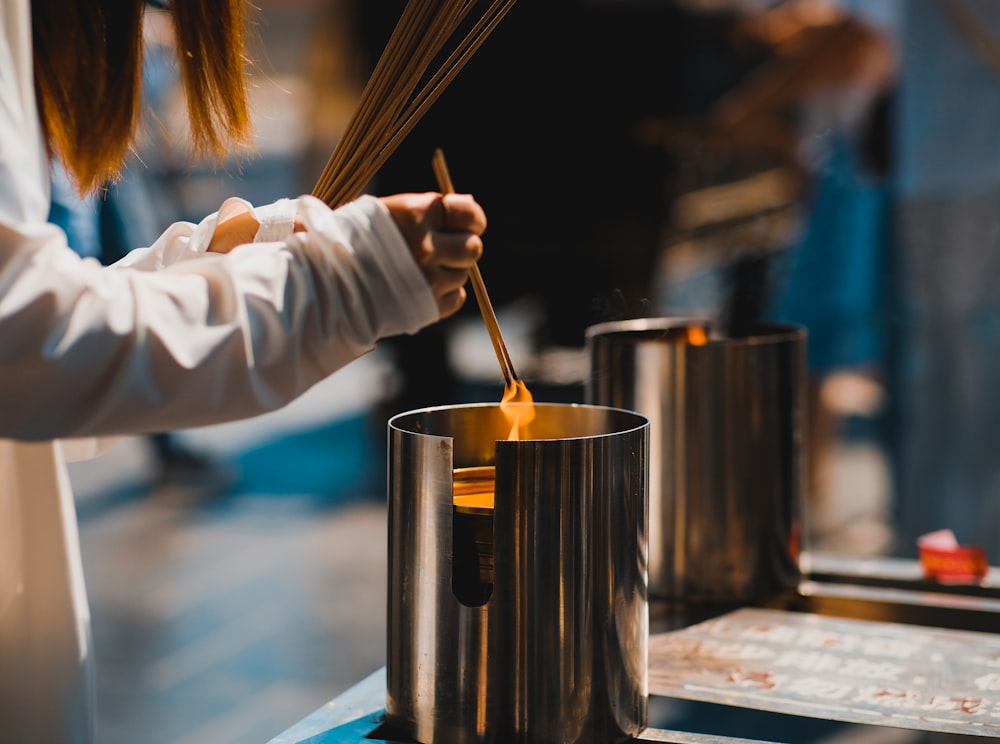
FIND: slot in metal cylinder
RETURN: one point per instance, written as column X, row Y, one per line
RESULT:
column 554, row 650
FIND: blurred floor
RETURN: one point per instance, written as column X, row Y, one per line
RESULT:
column 226, row 617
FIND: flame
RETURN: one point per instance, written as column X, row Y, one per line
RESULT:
column 515, row 395
column 473, row 492
column 696, row 336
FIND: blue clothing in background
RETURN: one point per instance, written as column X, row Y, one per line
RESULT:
column 78, row 216
column 834, row 276
column 107, row 224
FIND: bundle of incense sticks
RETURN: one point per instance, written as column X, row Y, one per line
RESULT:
column 403, row 86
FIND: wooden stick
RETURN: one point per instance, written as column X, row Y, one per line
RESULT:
column 478, row 286
column 391, row 104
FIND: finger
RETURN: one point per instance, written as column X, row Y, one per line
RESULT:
column 448, row 286
column 456, row 250
column 462, row 213
column 451, row 303
column 444, row 279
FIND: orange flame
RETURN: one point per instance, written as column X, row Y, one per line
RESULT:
column 696, row 336
column 474, row 492
column 514, row 396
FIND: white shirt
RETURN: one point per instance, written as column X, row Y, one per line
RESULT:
column 170, row 337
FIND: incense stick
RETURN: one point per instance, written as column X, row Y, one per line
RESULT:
column 478, row 286
column 393, row 101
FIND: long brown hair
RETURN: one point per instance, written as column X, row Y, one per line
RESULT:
column 88, row 58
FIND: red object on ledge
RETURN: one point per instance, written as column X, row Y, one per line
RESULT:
column 947, row 562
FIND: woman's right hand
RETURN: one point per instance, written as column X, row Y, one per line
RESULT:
column 444, row 232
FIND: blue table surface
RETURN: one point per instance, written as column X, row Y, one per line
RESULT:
column 355, row 717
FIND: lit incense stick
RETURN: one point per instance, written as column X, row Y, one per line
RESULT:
column 515, row 391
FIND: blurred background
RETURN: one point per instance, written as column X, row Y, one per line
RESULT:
column 830, row 164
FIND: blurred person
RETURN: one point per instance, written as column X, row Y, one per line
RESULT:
column 228, row 318
column 812, row 106
column 814, row 74
column 926, row 217
column 946, row 335
column 822, row 102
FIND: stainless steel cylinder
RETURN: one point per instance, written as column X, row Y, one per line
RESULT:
column 726, row 454
column 554, row 649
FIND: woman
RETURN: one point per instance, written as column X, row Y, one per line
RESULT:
column 225, row 319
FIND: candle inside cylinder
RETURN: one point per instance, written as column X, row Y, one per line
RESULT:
column 472, row 491
column 473, row 502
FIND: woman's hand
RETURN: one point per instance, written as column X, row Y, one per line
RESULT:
column 442, row 231
column 444, row 234
column 238, row 230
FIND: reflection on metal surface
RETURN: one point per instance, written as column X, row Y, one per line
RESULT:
column 725, row 450
column 857, row 671
column 556, row 652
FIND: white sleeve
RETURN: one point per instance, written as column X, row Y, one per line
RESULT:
column 90, row 350
column 184, row 240
column 172, row 337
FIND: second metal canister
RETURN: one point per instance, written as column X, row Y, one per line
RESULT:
column 726, row 468
column 524, row 619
